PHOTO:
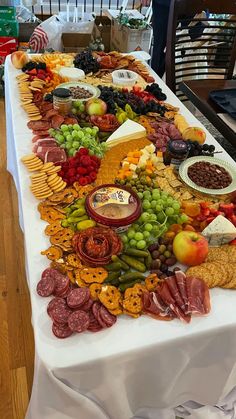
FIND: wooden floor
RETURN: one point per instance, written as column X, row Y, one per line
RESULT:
column 16, row 336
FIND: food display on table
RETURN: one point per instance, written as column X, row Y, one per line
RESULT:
column 140, row 216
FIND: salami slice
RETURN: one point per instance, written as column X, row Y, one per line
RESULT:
column 78, row 297
column 51, row 113
column 43, row 132
column 56, row 121
column 108, row 318
column 62, row 283
column 86, row 306
column 95, row 309
column 65, row 293
column 94, row 326
column 60, row 314
column 55, row 302
column 61, row 332
column 39, row 125
column 78, row 321
column 45, row 287
column 101, row 321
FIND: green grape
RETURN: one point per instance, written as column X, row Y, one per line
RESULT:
column 75, row 134
column 145, row 217
column 159, row 208
column 74, row 111
column 136, row 226
column 88, row 130
column 138, row 236
column 146, row 204
column 148, row 227
column 155, row 195
column 68, row 145
column 80, row 134
column 52, row 131
column 176, row 206
column 64, row 127
column 82, row 107
column 75, row 144
column 153, row 204
column 69, row 137
column 150, row 211
column 160, row 202
column 76, row 127
column 94, row 132
column 124, row 238
column 140, row 195
column 169, row 201
column 147, row 195
column 95, row 128
column 153, row 217
column 70, row 126
column 60, row 138
column 164, row 194
column 146, row 234
column 77, row 103
column 132, row 243
column 169, row 211
column 183, row 218
column 141, row 244
column 71, row 151
column 131, row 233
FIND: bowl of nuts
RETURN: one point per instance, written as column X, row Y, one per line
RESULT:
column 208, row 175
column 81, row 91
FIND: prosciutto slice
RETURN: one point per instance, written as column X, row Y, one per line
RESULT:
column 155, row 307
column 44, row 143
column 181, row 284
column 173, row 288
column 164, row 292
column 198, row 296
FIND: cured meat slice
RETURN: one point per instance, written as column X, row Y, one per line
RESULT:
column 62, row 283
column 78, row 321
column 86, row 306
column 55, row 302
column 101, row 320
column 70, row 120
column 55, row 155
column 46, row 106
column 61, row 331
column 166, row 296
column 108, row 318
column 39, row 125
column 173, row 288
column 94, row 326
column 41, row 151
column 51, row 113
column 46, row 142
column 56, row 121
column 46, row 286
column 198, row 296
column 43, row 132
column 78, row 297
column 181, row 284
column 60, row 314
column 38, row 137
column 155, row 307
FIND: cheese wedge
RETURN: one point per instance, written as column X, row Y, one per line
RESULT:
column 129, row 130
column 219, row 231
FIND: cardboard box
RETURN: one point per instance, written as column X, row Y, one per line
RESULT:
column 7, row 12
column 9, row 28
column 124, row 39
column 7, row 46
column 25, row 30
column 75, row 42
column 102, row 29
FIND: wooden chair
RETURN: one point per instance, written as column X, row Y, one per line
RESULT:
column 210, row 54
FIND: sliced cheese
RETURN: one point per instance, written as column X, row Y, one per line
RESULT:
column 129, row 130
column 219, row 231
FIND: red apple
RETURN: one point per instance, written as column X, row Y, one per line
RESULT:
column 19, row 59
column 96, row 106
column 190, row 248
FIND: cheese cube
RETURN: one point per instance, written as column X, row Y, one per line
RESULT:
column 219, row 231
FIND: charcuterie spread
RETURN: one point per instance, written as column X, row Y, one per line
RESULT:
column 140, row 215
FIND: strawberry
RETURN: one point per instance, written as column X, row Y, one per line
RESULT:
column 228, row 209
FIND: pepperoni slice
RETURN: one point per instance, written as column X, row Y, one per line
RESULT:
column 78, row 297
column 45, row 286
column 61, row 332
column 108, row 318
column 78, row 321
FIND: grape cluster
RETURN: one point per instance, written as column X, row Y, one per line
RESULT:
column 31, row 65
column 86, row 62
column 114, row 97
column 162, row 257
column 156, row 91
column 196, row 149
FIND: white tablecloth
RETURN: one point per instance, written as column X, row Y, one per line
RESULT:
column 138, row 368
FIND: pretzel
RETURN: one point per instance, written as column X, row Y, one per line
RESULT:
column 53, row 253
column 90, row 275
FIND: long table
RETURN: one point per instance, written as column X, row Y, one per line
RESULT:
column 138, row 368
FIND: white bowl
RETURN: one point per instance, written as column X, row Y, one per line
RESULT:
column 124, row 77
